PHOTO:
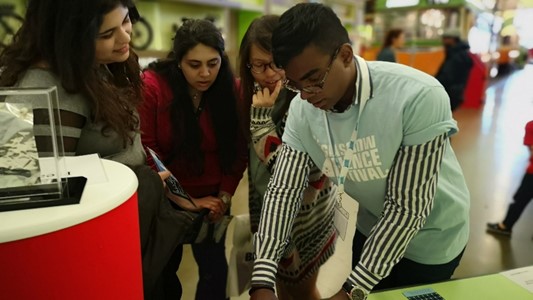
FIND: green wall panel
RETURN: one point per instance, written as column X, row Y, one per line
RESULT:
column 382, row 4
column 244, row 19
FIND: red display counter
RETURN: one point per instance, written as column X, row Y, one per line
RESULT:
column 89, row 250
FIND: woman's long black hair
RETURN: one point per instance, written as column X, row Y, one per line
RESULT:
column 62, row 34
column 220, row 100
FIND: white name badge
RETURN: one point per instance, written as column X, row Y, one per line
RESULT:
column 341, row 220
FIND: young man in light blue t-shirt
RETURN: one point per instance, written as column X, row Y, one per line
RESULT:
column 381, row 132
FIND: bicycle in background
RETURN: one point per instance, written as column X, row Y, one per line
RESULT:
column 142, row 33
column 10, row 22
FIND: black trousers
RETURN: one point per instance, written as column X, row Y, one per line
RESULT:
column 159, row 235
column 407, row 272
column 212, row 269
column 168, row 286
column 161, row 246
column 522, row 197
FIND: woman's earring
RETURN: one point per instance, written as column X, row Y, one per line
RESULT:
column 179, row 66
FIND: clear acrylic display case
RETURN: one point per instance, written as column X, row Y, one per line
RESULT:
column 31, row 145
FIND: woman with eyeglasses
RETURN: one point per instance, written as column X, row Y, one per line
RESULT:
column 313, row 234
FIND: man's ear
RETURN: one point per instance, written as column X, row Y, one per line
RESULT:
column 346, row 53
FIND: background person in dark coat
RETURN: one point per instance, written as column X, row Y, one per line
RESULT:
column 454, row 71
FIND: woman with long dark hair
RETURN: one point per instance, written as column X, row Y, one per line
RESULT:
column 82, row 47
column 189, row 117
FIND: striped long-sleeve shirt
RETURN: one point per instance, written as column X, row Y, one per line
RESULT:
column 312, row 238
column 413, row 199
column 411, row 190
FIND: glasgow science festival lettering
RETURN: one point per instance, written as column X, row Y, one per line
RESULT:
column 365, row 163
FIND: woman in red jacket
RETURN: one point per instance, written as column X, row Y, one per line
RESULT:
column 189, row 117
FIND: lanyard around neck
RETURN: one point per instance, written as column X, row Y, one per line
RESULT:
column 349, row 152
column 364, row 87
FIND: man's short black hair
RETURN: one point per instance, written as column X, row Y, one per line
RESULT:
column 303, row 25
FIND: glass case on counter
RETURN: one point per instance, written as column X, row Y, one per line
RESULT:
column 31, row 171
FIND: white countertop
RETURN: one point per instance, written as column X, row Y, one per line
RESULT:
column 96, row 200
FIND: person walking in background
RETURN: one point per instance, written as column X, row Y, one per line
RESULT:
column 190, row 119
column 381, row 132
column 455, row 69
column 394, row 40
column 312, row 241
column 523, row 195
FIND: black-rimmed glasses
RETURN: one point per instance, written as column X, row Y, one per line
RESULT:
column 313, row 88
column 259, row 68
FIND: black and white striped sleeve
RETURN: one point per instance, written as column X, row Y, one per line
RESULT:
column 71, row 128
column 280, row 206
column 411, row 188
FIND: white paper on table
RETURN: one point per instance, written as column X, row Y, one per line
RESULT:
column 89, row 166
column 521, row 276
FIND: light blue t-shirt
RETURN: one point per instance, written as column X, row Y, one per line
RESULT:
column 406, row 107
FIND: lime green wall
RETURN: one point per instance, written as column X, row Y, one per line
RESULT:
column 163, row 15
column 252, row 2
column 20, row 5
column 381, row 4
column 234, row 21
column 244, row 20
column 20, row 9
